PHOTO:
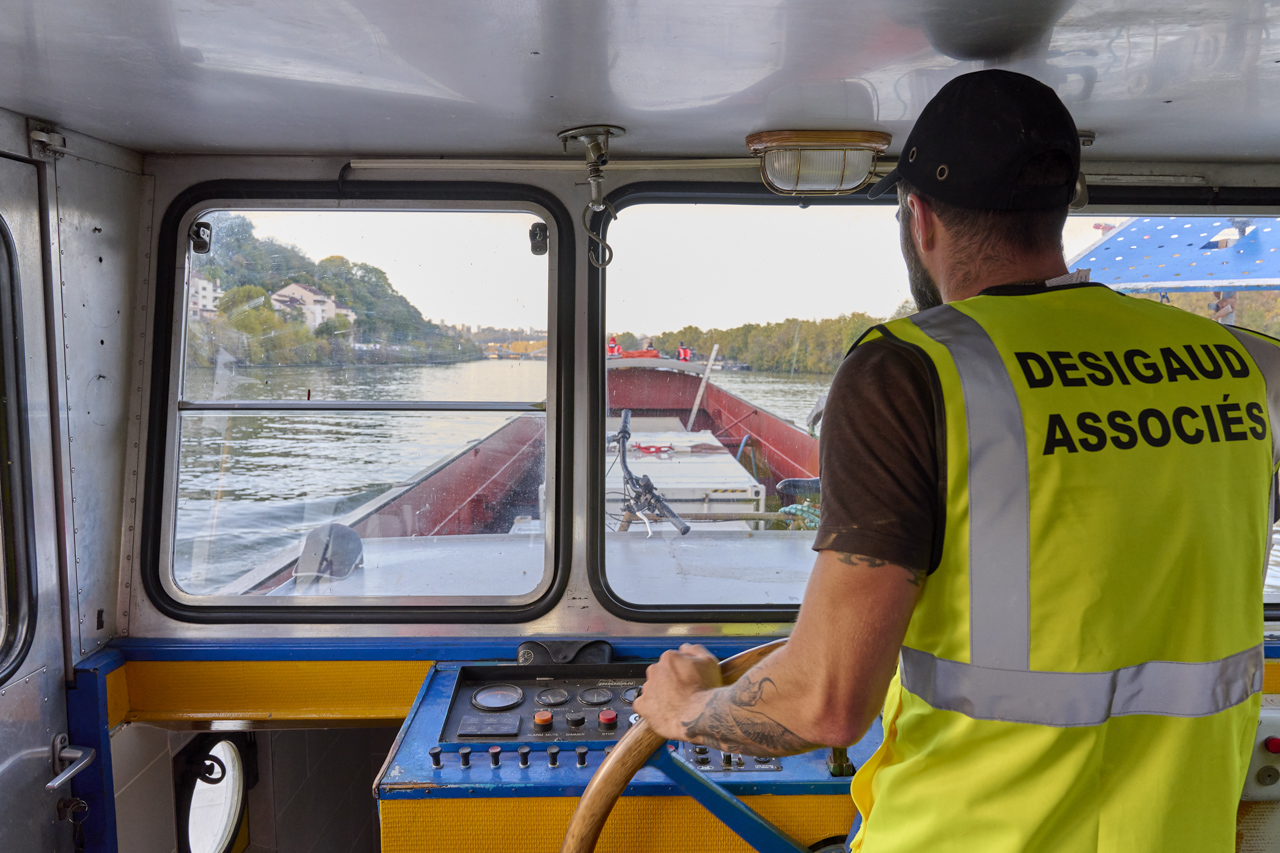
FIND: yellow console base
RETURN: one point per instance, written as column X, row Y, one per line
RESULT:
column 638, row 824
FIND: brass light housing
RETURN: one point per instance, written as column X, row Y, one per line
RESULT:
column 817, row 162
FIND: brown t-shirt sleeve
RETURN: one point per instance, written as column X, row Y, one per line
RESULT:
column 882, row 478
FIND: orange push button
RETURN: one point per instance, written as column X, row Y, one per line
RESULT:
column 1272, row 745
column 542, row 721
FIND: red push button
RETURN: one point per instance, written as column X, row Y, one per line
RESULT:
column 608, row 719
column 1272, row 745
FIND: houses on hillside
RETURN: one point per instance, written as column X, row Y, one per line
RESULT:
column 202, row 297
column 315, row 305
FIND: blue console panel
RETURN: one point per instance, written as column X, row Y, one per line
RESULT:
column 466, row 710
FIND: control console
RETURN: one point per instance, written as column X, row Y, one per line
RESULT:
column 574, row 703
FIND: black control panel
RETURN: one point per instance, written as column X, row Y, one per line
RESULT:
column 543, row 703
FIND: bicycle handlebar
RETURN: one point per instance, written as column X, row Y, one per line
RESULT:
column 648, row 496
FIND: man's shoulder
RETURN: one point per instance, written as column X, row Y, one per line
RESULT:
column 881, row 360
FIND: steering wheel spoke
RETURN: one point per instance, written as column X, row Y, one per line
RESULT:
column 637, row 748
column 731, row 811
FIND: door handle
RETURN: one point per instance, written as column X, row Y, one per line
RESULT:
column 77, row 757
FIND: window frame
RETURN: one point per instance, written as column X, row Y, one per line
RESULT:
column 187, row 766
column 1103, row 199
column 18, row 580
column 168, row 347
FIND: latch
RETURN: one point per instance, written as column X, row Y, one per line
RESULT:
column 48, row 142
column 595, row 140
column 68, row 761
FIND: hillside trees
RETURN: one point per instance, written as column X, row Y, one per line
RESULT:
column 249, row 269
column 812, row 346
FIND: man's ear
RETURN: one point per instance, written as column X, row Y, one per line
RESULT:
column 924, row 223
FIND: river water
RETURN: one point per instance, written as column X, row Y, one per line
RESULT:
column 252, row 484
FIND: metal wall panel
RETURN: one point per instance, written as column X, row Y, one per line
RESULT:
column 32, row 702
column 28, row 813
column 97, row 210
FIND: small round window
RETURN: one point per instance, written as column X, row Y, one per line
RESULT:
column 213, row 774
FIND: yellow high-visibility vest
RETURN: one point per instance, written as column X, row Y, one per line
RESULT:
column 1081, row 674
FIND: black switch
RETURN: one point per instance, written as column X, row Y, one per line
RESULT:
column 582, row 756
column 524, row 756
column 726, row 759
column 465, row 755
column 434, row 752
column 553, row 756
column 495, row 755
column 699, row 750
column 576, row 721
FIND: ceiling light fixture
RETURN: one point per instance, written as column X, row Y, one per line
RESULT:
column 817, row 162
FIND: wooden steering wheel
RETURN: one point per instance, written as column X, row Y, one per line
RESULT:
column 630, row 754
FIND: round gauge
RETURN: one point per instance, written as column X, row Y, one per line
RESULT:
column 595, row 696
column 629, row 695
column 553, row 696
column 497, row 697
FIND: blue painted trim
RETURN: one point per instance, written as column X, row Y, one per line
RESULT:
column 394, row 648
column 728, row 809
column 415, row 648
column 87, row 726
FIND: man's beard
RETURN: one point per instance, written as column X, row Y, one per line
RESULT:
column 923, row 288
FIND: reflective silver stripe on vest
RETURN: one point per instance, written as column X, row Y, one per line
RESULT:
column 999, row 502
column 1267, row 356
column 1165, row 688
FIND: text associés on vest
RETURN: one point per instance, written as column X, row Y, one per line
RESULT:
column 1211, row 417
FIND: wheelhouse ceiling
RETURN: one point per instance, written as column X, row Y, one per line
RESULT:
column 1162, row 79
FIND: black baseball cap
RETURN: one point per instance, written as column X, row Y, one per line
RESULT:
column 973, row 138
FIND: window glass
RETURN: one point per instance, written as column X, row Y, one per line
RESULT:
column 362, row 409
column 216, row 802
column 779, row 293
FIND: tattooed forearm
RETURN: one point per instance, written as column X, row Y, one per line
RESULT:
column 733, row 720
column 916, row 577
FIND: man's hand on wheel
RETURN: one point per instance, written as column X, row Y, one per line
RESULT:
column 673, row 683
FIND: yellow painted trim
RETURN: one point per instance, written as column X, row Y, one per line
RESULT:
column 637, row 825
column 1271, row 677
column 157, row 691
column 117, row 697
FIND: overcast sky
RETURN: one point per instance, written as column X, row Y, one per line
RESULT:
column 712, row 266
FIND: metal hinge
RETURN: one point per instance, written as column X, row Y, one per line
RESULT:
column 47, row 142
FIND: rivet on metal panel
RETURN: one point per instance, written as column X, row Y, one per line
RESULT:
column 126, row 612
